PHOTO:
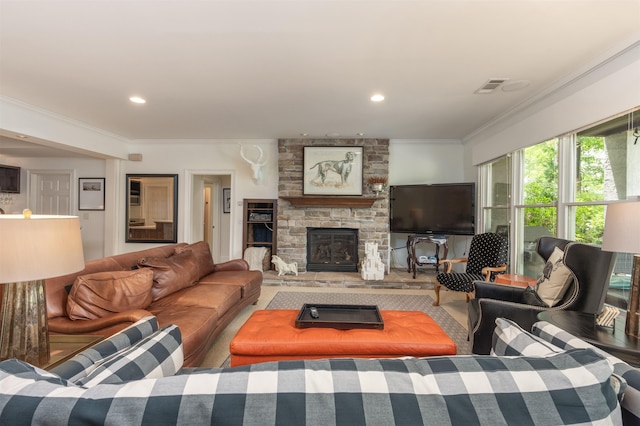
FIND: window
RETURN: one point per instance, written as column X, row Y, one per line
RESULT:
column 561, row 187
column 497, row 203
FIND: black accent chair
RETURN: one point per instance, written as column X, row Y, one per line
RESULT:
column 591, row 268
column 488, row 255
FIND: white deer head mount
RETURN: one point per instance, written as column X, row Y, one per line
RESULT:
column 256, row 166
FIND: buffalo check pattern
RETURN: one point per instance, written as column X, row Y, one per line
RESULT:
column 631, row 399
column 82, row 364
column 159, row 355
column 568, row 388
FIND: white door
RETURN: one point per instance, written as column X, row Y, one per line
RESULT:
column 52, row 193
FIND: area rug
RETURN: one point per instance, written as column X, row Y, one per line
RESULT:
column 397, row 302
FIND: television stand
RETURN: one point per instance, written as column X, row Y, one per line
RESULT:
column 413, row 240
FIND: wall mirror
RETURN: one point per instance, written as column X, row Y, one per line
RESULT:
column 152, row 208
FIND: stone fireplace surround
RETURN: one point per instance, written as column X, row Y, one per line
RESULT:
column 372, row 222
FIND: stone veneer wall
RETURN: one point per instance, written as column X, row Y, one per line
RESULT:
column 372, row 223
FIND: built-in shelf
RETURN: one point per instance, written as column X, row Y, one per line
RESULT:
column 336, row 201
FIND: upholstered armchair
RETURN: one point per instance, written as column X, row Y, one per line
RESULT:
column 488, row 254
column 590, row 268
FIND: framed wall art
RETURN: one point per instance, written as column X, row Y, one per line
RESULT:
column 91, row 193
column 226, row 200
column 332, row 170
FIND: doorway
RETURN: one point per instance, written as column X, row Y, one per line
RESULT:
column 208, row 222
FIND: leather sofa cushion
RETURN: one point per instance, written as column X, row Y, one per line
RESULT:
column 249, row 281
column 96, row 295
column 203, row 257
column 172, row 273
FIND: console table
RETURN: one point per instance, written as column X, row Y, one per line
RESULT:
column 413, row 240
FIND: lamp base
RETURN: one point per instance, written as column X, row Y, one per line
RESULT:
column 632, row 326
column 24, row 333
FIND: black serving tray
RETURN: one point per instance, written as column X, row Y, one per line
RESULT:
column 342, row 317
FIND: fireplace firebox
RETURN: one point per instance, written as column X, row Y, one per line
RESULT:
column 332, row 249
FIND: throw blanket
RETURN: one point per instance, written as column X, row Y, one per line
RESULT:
column 254, row 257
column 569, row 388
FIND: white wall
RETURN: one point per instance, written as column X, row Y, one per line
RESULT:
column 425, row 161
column 607, row 90
column 186, row 158
column 92, row 222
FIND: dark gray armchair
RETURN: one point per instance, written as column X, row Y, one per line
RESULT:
column 591, row 268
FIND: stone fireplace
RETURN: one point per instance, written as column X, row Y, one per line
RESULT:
column 367, row 215
column 332, row 249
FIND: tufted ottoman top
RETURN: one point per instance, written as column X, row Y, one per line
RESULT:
column 271, row 335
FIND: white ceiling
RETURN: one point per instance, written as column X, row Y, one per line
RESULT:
column 276, row 69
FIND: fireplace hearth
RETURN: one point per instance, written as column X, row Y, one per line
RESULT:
column 332, row 249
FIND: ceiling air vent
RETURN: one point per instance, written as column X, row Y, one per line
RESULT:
column 490, row 85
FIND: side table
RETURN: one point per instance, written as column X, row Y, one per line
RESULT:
column 412, row 259
column 65, row 346
column 610, row 339
column 515, row 279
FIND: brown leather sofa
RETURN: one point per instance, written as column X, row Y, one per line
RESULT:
column 188, row 290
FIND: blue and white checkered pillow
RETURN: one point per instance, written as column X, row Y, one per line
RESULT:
column 509, row 339
column 631, row 393
column 85, row 362
column 156, row 356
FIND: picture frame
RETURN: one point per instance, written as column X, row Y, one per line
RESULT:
column 91, row 193
column 332, row 170
column 226, row 200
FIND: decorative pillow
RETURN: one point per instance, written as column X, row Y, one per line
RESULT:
column 509, row 339
column 203, row 257
column 172, row 273
column 623, row 372
column 555, row 279
column 159, row 355
column 85, row 362
column 96, row 295
column 530, row 297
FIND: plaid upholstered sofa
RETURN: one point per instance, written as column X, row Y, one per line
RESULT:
column 177, row 283
column 135, row 378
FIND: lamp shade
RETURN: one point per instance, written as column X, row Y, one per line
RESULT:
column 39, row 247
column 622, row 228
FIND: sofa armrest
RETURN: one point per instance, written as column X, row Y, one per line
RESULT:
column 482, row 320
column 497, row 291
column 232, row 265
column 68, row 326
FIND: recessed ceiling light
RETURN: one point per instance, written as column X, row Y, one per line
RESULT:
column 360, row 134
column 137, row 100
column 304, row 134
column 377, row 98
column 21, row 136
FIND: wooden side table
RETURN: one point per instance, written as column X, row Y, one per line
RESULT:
column 610, row 339
column 65, row 346
column 515, row 279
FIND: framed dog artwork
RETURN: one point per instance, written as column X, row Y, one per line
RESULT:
column 332, row 170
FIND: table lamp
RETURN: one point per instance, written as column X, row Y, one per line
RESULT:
column 622, row 234
column 32, row 248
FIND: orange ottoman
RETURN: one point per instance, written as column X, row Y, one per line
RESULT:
column 272, row 336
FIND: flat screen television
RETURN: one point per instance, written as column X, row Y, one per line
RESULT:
column 10, row 179
column 441, row 209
